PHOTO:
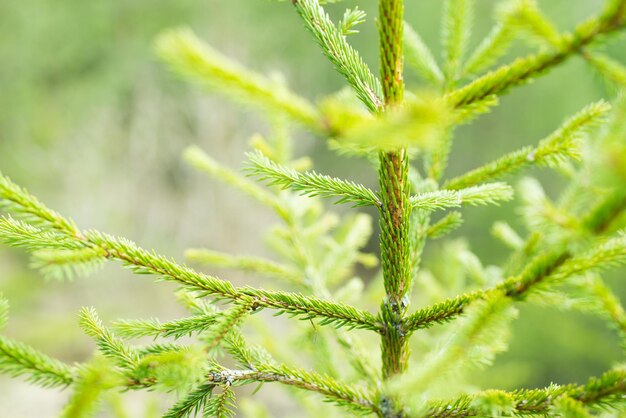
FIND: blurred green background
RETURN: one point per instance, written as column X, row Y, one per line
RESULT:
column 92, row 124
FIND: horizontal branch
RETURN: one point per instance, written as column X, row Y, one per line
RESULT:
column 145, row 262
column 293, row 304
column 154, row 328
column 602, row 391
column 445, row 225
column 561, row 145
column 311, row 183
column 251, row 264
column 440, row 313
column 490, row 193
column 19, row 359
column 556, row 265
column 21, row 203
column 514, row 287
column 313, row 382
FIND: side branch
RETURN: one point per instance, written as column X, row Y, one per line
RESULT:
column 597, row 391
column 440, row 313
column 523, row 69
column 331, row 389
column 345, row 58
column 514, row 287
column 67, row 240
column 311, row 183
column 293, row 304
column 555, row 265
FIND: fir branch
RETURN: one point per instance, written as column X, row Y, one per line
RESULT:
column 611, row 69
column 548, row 267
column 159, row 348
column 220, row 405
column 226, row 321
column 90, row 386
column 311, row 183
column 467, row 114
column 600, row 392
column 68, row 263
column 109, row 345
column 20, row 202
column 524, row 69
column 558, row 146
column 333, row 391
column 345, row 58
column 420, row 58
column 610, row 306
column 246, row 354
column 251, row 264
column 507, row 235
column 537, row 270
column 457, row 24
column 350, row 19
column 192, row 403
column 445, row 225
column 329, row 313
column 439, row 199
column 4, row 311
column 440, row 313
column 601, row 257
column 19, row 359
column 481, row 335
column 202, row 161
column 492, row 47
column 485, row 194
column 155, row 328
column 190, row 57
column 528, row 19
column 20, row 234
column 293, row 304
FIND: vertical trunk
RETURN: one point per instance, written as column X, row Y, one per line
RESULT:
column 395, row 210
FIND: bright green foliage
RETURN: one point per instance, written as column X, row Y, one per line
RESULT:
column 419, row 57
column 562, row 145
column 361, row 364
column 221, row 405
column 108, row 344
column 93, row 381
column 345, row 58
column 19, row 359
column 351, row 18
column 197, row 61
column 456, row 26
column 611, row 69
column 192, row 404
column 485, row 194
column 310, row 183
column 419, row 122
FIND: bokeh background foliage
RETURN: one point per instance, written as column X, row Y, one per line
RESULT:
column 95, row 126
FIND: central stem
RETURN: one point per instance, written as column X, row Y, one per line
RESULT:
column 395, row 209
